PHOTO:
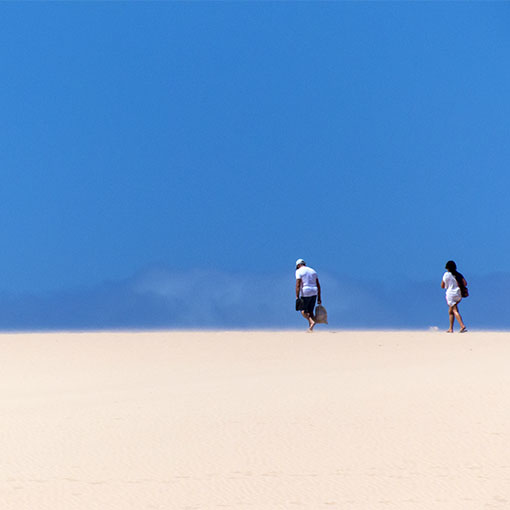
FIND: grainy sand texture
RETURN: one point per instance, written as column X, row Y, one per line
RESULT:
column 255, row 420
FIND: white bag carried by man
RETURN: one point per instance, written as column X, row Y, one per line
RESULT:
column 321, row 315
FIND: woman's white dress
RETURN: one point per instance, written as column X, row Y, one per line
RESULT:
column 453, row 295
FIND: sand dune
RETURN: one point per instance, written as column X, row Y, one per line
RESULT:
column 255, row 420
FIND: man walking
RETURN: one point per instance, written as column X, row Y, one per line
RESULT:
column 309, row 289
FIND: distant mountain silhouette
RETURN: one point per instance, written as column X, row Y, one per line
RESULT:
column 165, row 298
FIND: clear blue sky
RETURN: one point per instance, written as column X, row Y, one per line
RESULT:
column 371, row 139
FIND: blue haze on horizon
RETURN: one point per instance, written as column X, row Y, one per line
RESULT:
column 165, row 163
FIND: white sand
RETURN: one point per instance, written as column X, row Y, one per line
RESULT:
column 255, row 420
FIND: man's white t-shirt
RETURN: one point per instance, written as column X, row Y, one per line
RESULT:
column 308, row 279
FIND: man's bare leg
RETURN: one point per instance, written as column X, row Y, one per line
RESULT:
column 310, row 319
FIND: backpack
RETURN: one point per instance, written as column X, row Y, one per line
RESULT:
column 464, row 292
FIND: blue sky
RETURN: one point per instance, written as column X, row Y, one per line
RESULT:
column 213, row 143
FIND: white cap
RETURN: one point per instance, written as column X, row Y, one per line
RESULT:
column 300, row 261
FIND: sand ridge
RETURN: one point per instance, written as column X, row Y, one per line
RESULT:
column 255, row 420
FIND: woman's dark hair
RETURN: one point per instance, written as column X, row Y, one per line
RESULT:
column 452, row 267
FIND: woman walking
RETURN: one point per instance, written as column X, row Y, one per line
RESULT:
column 456, row 288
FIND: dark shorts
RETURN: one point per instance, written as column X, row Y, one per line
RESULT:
column 309, row 304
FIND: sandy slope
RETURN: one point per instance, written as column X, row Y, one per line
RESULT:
column 255, row 420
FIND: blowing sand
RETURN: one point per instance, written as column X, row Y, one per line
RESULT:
column 255, row 420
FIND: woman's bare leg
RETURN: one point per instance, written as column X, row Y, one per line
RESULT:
column 458, row 317
column 451, row 317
